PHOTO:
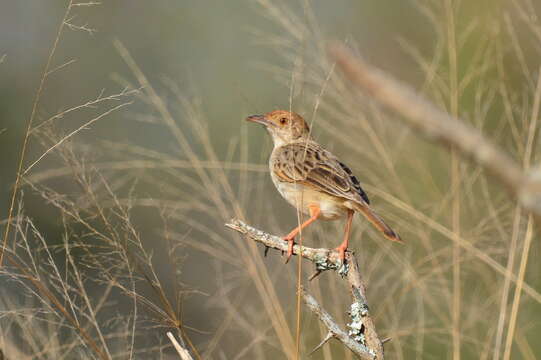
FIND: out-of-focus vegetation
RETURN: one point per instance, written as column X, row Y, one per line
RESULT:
column 138, row 154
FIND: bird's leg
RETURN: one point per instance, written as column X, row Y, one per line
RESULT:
column 344, row 245
column 315, row 211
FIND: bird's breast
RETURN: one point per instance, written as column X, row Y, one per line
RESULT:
column 301, row 196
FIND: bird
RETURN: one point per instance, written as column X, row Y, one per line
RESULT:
column 314, row 180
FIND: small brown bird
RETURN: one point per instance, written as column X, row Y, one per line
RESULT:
column 314, row 180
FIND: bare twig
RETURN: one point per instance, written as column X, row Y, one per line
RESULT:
column 182, row 352
column 327, row 337
column 437, row 125
column 365, row 341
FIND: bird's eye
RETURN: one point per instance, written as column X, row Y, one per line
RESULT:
column 283, row 120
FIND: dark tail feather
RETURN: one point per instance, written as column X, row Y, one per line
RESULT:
column 378, row 223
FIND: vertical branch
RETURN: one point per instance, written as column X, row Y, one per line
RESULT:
column 358, row 291
column 530, row 143
column 455, row 175
column 518, row 290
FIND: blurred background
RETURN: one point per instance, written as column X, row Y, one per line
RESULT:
column 138, row 154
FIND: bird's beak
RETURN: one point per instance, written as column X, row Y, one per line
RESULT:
column 260, row 119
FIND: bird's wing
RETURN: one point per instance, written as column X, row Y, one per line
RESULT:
column 310, row 164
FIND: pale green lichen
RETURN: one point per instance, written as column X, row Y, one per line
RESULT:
column 343, row 270
column 356, row 328
column 322, row 263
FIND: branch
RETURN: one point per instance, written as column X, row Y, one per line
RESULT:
column 437, row 125
column 368, row 345
column 325, row 259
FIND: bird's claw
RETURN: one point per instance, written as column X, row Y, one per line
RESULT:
column 343, row 267
column 342, row 253
column 291, row 243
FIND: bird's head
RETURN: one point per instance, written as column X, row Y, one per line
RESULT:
column 284, row 126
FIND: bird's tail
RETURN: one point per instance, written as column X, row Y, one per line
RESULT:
column 378, row 222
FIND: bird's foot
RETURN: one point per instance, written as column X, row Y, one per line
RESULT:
column 342, row 253
column 291, row 243
column 343, row 266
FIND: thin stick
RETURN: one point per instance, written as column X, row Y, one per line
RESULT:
column 455, row 175
column 518, row 290
column 183, row 353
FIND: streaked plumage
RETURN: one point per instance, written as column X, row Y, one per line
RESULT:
column 310, row 177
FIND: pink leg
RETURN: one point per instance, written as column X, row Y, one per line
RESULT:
column 315, row 211
column 344, row 245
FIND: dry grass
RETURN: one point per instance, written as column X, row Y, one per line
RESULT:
column 138, row 221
